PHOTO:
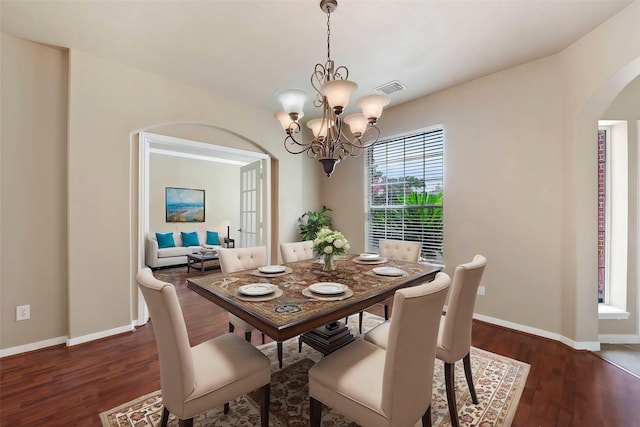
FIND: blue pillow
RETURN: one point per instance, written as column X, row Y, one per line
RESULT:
column 212, row 238
column 190, row 239
column 165, row 240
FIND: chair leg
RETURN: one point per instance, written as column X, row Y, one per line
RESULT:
column 231, row 327
column 315, row 409
column 247, row 336
column 386, row 312
column 279, row 354
column 467, row 373
column 300, row 344
column 225, row 409
column 449, row 379
column 265, row 397
column 263, row 338
column 186, row 423
column 165, row 417
column 360, row 317
column 426, row 418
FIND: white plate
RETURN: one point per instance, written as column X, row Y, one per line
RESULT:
column 369, row 257
column 328, row 288
column 256, row 289
column 388, row 271
column 271, row 269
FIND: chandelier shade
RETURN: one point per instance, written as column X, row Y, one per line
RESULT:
column 292, row 100
column 357, row 123
column 372, row 106
column 331, row 140
column 337, row 93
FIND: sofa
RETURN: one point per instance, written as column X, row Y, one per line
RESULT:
column 164, row 254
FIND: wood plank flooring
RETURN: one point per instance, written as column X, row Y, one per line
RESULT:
column 61, row 386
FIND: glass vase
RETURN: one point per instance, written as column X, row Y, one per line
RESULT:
column 329, row 263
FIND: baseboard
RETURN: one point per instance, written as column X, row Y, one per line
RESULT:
column 576, row 345
column 99, row 335
column 32, row 346
column 619, row 339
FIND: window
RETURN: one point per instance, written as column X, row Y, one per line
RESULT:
column 405, row 190
column 613, row 231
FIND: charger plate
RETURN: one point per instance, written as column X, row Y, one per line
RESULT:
column 348, row 293
column 276, row 294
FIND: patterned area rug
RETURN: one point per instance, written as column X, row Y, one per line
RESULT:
column 499, row 383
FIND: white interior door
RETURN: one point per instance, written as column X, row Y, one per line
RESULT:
column 250, row 205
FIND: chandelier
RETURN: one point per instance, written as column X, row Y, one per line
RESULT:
column 331, row 142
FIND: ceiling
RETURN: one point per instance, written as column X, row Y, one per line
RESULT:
column 249, row 50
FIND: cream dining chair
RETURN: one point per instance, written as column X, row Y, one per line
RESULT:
column 238, row 259
column 386, row 387
column 209, row 375
column 454, row 337
column 296, row 251
column 395, row 249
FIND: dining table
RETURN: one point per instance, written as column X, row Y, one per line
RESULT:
column 303, row 299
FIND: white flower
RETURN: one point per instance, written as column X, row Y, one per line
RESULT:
column 338, row 243
column 328, row 249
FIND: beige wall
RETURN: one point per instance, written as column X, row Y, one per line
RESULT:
column 94, row 189
column 220, row 181
column 502, row 171
column 520, row 179
column 33, row 225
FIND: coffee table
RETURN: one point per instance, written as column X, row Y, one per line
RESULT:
column 201, row 258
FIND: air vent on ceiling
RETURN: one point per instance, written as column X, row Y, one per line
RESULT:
column 391, row 87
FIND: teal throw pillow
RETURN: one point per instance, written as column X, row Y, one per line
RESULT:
column 212, row 238
column 190, row 239
column 165, row 240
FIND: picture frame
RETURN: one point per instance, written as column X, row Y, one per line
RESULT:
column 184, row 205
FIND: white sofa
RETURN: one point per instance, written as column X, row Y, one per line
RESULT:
column 177, row 255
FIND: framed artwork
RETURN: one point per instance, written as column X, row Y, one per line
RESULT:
column 184, row 204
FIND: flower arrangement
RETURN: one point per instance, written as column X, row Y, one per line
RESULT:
column 329, row 244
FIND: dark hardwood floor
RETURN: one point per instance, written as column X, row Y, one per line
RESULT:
column 61, row 386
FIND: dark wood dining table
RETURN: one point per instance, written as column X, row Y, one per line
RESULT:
column 293, row 313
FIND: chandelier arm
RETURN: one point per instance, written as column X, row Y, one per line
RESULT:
column 317, row 79
column 303, row 146
column 373, row 129
column 337, row 75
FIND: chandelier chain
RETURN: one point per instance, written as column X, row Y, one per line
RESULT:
column 328, row 34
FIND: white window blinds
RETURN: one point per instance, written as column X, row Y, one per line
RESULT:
column 405, row 182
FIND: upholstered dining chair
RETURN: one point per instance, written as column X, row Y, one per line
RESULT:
column 296, row 251
column 395, row 249
column 386, row 387
column 238, row 259
column 454, row 336
column 208, row 375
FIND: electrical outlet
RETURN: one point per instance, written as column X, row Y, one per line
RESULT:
column 480, row 290
column 23, row 312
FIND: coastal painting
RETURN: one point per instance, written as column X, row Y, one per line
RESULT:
column 184, row 204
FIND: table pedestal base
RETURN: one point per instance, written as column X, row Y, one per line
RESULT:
column 328, row 338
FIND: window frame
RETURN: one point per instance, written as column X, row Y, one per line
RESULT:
column 399, row 160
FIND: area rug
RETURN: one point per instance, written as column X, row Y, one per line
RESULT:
column 499, row 383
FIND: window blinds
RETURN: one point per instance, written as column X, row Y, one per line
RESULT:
column 405, row 186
